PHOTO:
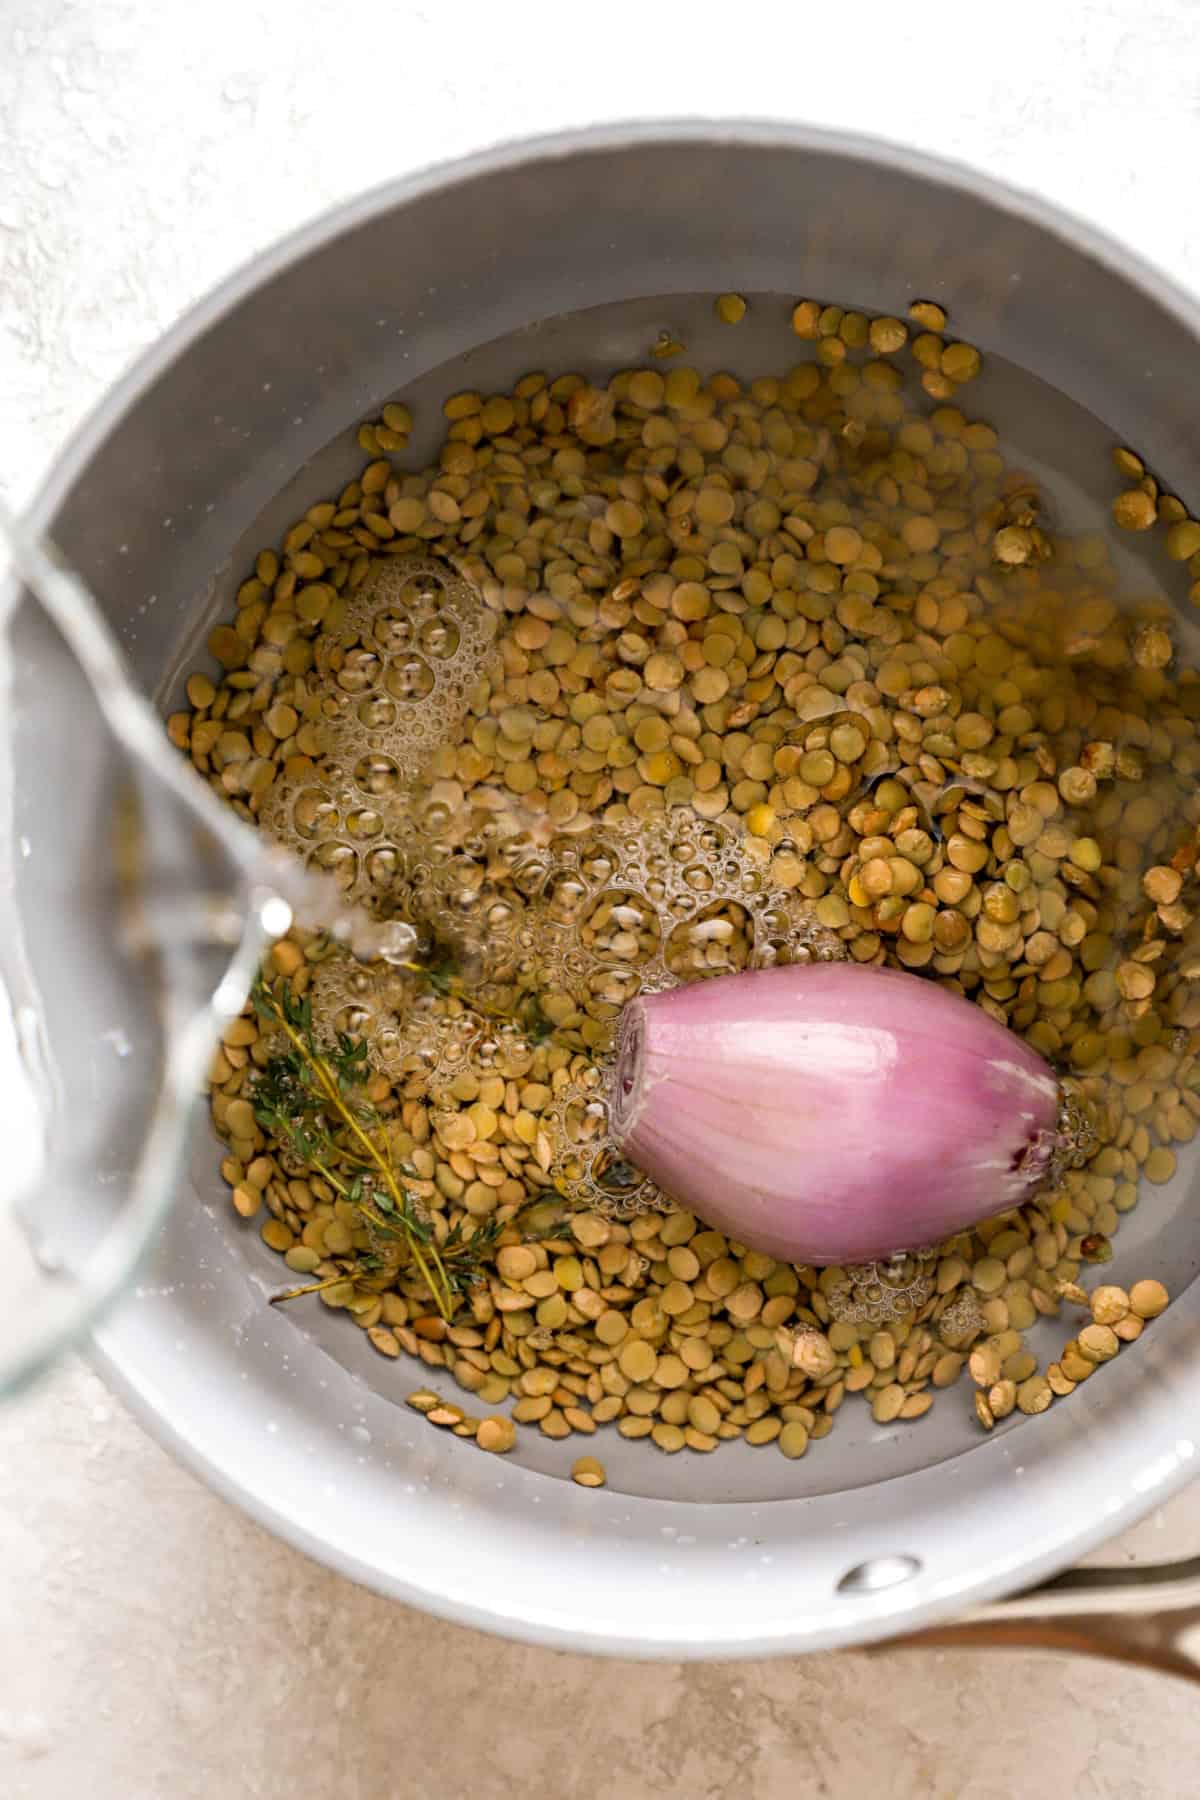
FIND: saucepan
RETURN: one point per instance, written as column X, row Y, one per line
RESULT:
column 574, row 252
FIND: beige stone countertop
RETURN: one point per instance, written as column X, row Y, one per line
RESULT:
column 159, row 1646
column 154, row 1644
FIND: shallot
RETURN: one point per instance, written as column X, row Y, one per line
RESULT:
column 830, row 1113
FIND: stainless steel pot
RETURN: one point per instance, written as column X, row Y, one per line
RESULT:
column 571, row 252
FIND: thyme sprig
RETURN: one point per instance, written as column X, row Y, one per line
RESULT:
column 307, row 1098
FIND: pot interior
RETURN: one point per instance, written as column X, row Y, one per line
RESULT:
column 1043, row 432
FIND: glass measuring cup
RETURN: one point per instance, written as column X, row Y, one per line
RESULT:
column 134, row 909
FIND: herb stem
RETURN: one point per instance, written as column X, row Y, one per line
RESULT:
column 432, row 1270
column 315, row 1287
column 328, row 1175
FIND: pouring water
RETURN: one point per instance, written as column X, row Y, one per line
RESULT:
column 173, row 901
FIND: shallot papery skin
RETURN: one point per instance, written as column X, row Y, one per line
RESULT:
column 829, row 1113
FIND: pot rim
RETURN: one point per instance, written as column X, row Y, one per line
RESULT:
column 1143, row 1482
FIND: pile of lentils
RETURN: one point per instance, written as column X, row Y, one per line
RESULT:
column 821, row 610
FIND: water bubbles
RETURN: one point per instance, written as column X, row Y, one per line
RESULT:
column 377, row 774
column 412, row 640
column 376, row 713
column 338, row 859
column 409, row 678
column 439, row 638
column 394, row 630
column 900, row 1271
column 314, row 814
column 609, row 989
column 383, row 866
column 584, row 1120
column 598, row 862
column 620, row 926
column 354, row 1020
column 527, row 871
column 499, row 916
column 422, row 591
column 566, row 899
column 541, row 930
column 962, row 1320
column 616, row 1177
column 878, row 1293
column 587, row 1166
column 359, row 671
column 788, row 933
column 717, row 941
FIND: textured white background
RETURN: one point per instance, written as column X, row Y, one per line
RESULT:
column 152, row 1643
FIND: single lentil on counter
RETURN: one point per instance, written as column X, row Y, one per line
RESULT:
column 827, row 628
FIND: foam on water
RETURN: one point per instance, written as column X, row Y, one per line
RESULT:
column 399, row 670
column 566, row 932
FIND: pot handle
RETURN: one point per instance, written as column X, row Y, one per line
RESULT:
column 1148, row 1617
